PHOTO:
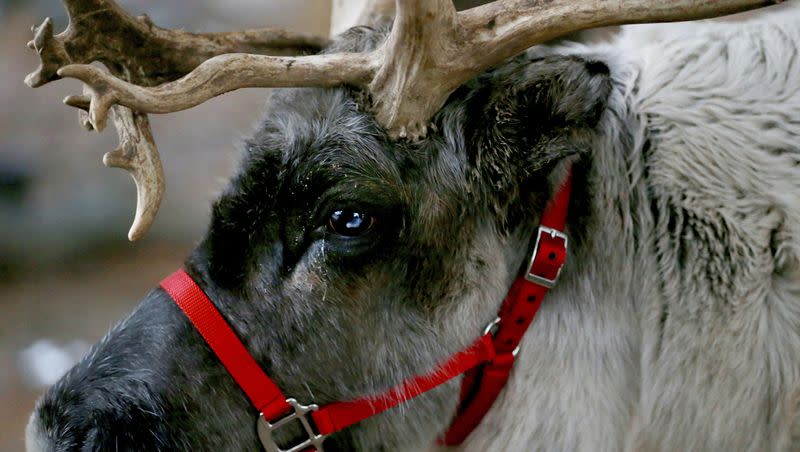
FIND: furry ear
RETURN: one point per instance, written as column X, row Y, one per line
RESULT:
column 537, row 111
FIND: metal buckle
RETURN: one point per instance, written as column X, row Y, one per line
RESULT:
column 538, row 279
column 300, row 413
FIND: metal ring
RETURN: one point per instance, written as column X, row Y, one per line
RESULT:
column 492, row 327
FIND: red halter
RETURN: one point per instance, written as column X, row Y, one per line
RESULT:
column 487, row 363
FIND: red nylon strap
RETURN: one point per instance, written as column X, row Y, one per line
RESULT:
column 269, row 399
column 481, row 386
column 263, row 393
column 337, row 416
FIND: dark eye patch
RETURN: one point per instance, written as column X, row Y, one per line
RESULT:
column 353, row 217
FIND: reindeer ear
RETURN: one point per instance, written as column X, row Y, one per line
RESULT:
column 544, row 108
column 566, row 90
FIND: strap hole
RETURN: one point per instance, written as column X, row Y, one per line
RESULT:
column 520, row 321
column 551, row 256
column 531, row 298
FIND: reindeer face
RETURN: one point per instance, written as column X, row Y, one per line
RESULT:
column 345, row 262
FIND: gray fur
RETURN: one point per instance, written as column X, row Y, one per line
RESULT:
column 675, row 326
column 678, row 328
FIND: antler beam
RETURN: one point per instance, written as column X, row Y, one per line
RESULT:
column 214, row 77
column 136, row 50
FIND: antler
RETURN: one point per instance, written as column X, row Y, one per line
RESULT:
column 136, row 50
column 431, row 50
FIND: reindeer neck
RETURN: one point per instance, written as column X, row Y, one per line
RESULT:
column 576, row 380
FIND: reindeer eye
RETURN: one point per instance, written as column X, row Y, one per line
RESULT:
column 350, row 223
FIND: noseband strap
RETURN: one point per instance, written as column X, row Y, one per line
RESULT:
column 486, row 363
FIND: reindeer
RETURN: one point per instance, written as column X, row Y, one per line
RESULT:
column 381, row 214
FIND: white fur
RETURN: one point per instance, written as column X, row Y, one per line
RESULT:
column 35, row 438
column 677, row 327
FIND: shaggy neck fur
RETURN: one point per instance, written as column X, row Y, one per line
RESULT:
column 676, row 325
column 577, row 378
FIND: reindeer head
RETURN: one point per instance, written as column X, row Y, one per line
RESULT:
column 346, row 260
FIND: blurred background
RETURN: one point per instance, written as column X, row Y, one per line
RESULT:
column 67, row 270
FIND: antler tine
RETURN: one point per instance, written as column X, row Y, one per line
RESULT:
column 138, row 155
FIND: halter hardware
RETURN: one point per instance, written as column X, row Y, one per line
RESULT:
column 538, row 272
column 299, row 413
